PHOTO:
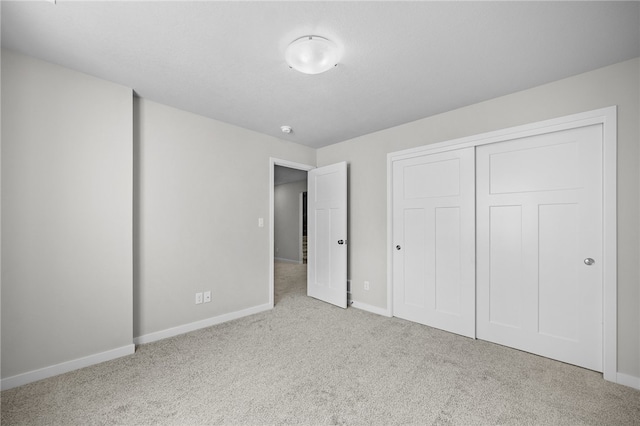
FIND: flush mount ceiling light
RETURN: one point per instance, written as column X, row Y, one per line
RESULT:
column 312, row 54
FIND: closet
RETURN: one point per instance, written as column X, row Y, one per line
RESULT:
column 501, row 237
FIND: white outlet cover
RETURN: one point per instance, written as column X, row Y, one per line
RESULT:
column 198, row 298
column 207, row 296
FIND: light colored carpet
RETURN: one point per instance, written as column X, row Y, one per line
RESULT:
column 306, row 362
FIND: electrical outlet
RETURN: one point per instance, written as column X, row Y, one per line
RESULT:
column 207, row 296
column 366, row 285
column 198, row 298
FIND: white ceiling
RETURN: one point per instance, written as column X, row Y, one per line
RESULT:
column 402, row 60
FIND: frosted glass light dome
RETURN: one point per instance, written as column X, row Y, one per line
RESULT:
column 312, row 54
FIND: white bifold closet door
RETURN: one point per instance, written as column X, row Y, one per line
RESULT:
column 434, row 240
column 539, row 245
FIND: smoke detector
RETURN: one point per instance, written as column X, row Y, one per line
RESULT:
column 286, row 129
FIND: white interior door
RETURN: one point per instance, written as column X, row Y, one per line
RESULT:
column 539, row 216
column 434, row 240
column 327, row 234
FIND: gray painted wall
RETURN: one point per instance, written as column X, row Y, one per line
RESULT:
column 614, row 85
column 66, row 215
column 202, row 186
column 286, row 223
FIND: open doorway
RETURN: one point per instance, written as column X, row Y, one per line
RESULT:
column 290, row 263
column 287, row 260
column 290, row 189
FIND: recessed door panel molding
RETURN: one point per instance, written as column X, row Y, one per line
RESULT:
column 321, row 247
column 337, row 248
column 433, row 241
column 542, row 297
column 520, row 170
column 558, row 237
column 447, row 260
column 432, row 179
column 324, row 186
column 505, row 267
column 416, row 275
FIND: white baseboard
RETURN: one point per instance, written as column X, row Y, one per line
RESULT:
column 370, row 308
column 281, row 259
column 627, row 380
column 174, row 331
column 65, row 367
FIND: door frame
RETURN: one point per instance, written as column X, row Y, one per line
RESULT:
column 301, row 227
column 273, row 162
column 607, row 117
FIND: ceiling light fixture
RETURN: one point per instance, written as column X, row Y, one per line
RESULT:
column 286, row 129
column 312, row 54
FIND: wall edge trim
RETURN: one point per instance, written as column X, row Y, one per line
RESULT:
column 284, row 260
column 628, row 380
column 65, row 367
column 186, row 328
column 370, row 308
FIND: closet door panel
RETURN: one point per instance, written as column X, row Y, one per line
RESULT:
column 434, row 240
column 539, row 252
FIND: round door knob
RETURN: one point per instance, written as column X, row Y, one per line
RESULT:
column 340, row 242
column 589, row 261
column 398, row 247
